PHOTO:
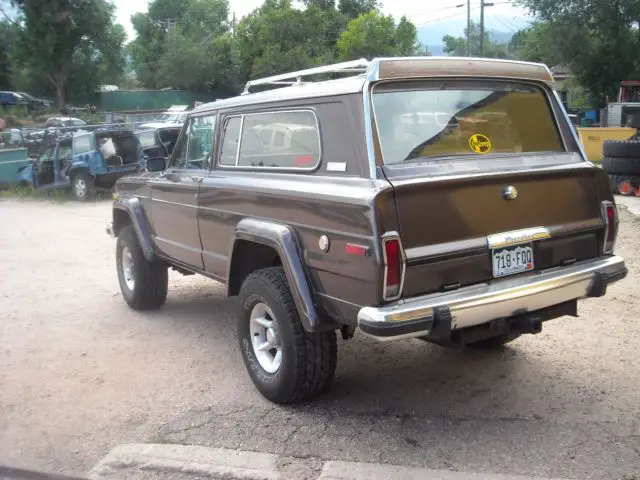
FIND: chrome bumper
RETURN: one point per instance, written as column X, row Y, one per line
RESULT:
column 499, row 299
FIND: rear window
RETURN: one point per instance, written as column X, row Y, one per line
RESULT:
column 476, row 120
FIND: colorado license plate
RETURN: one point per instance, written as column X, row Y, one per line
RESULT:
column 512, row 260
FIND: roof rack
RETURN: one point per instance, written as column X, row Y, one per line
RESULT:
column 294, row 78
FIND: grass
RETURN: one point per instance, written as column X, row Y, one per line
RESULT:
column 27, row 193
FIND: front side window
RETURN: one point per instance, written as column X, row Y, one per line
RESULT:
column 284, row 139
column 475, row 120
column 195, row 146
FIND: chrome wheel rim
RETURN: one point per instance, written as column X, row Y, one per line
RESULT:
column 81, row 187
column 265, row 338
column 127, row 269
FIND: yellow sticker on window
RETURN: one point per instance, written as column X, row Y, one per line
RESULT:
column 480, row 143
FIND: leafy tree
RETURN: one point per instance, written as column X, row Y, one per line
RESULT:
column 7, row 35
column 598, row 41
column 354, row 8
column 56, row 35
column 374, row 34
column 183, row 44
column 457, row 46
column 276, row 38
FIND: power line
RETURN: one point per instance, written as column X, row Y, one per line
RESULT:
column 504, row 23
column 435, row 20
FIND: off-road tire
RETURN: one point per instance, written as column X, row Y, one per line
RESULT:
column 151, row 278
column 308, row 359
column 621, row 148
column 87, row 181
column 493, row 343
column 621, row 165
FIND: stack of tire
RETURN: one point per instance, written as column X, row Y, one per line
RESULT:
column 621, row 160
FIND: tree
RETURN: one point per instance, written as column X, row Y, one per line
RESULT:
column 373, row 34
column 598, row 41
column 175, row 37
column 457, row 46
column 57, row 34
column 7, row 35
column 352, row 9
column 277, row 38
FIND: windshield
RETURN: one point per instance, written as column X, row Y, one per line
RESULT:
column 463, row 118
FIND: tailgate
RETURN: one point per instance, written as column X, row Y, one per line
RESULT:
column 453, row 230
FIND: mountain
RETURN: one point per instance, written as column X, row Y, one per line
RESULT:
column 500, row 30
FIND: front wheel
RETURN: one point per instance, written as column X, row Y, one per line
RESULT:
column 286, row 363
column 143, row 284
column 82, row 186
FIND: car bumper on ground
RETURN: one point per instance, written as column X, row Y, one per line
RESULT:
column 443, row 313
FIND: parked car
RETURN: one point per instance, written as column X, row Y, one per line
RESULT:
column 12, row 160
column 12, row 99
column 55, row 128
column 157, row 145
column 175, row 115
column 84, row 162
column 35, row 102
column 467, row 231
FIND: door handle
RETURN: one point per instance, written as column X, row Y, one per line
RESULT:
column 196, row 178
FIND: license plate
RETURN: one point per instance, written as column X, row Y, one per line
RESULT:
column 512, row 260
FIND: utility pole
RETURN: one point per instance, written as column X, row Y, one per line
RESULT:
column 468, row 28
column 483, row 4
column 481, row 28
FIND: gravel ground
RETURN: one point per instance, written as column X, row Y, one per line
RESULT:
column 81, row 373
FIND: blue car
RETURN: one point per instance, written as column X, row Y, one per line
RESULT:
column 84, row 162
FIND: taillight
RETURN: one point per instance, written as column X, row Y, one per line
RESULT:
column 394, row 266
column 610, row 215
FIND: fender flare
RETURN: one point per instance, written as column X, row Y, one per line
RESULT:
column 282, row 239
column 133, row 208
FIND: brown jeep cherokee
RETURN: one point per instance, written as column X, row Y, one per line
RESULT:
column 437, row 198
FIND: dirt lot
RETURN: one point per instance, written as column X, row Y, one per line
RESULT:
column 81, row 373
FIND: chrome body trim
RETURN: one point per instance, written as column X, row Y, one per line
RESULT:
column 516, row 237
column 501, row 298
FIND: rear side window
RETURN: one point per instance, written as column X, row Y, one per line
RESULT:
column 476, row 120
column 284, row 139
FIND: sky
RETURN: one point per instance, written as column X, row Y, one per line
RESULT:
column 504, row 11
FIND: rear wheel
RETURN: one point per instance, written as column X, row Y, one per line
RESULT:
column 143, row 284
column 82, row 186
column 286, row 363
column 493, row 343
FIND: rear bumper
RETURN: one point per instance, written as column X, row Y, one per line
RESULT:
column 499, row 299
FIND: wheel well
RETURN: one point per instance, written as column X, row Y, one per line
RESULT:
column 248, row 257
column 120, row 220
column 73, row 173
